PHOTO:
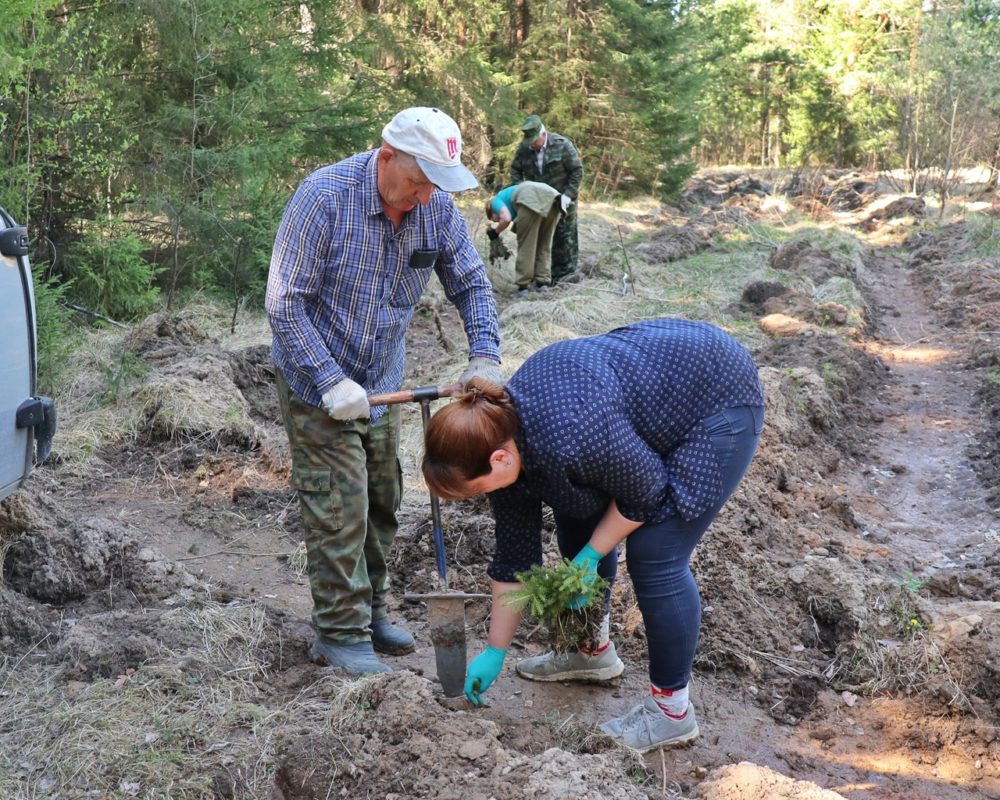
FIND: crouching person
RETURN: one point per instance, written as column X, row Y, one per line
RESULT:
column 534, row 209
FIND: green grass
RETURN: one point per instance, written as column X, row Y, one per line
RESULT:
column 985, row 233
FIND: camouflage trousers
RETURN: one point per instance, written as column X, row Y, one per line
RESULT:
column 349, row 484
column 565, row 246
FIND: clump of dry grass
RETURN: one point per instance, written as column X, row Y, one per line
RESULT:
column 912, row 666
column 892, row 651
column 216, row 320
column 298, row 560
column 18, row 514
column 167, row 730
column 352, row 700
column 176, row 408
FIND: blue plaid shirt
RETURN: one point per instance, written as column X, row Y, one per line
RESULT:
column 341, row 289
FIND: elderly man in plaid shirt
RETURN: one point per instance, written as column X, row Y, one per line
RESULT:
column 355, row 249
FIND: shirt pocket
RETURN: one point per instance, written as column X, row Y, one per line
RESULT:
column 319, row 496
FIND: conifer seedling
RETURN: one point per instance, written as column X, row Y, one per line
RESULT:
column 545, row 594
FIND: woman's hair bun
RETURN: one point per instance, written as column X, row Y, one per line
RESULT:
column 479, row 389
column 473, row 394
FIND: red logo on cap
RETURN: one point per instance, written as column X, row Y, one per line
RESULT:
column 452, row 144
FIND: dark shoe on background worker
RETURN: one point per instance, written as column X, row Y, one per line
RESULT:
column 568, row 277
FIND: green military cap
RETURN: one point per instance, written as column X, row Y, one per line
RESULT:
column 532, row 127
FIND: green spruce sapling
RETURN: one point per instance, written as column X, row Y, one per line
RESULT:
column 545, row 594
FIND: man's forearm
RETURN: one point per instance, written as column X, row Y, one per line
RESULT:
column 300, row 339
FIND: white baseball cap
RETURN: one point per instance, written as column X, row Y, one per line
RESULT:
column 433, row 138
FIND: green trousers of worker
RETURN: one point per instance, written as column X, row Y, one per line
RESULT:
column 534, row 246
column 349, row 484
column 538, row 213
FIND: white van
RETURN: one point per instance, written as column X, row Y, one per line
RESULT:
column 27, row 422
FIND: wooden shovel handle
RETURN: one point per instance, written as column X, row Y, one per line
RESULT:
column 416, row 395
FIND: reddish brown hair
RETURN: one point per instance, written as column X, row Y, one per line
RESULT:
column 461, row 437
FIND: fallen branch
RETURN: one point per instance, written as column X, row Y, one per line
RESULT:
column 233, row 553
column 94, row 314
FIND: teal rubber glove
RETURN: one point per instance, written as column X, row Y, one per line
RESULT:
column 481, row 673
column 589, row 557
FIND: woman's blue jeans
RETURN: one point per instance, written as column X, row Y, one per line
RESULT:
column 659, row 554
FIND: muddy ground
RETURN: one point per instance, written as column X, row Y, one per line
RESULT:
column 154, row 612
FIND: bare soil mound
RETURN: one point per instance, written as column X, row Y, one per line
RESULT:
column 830, row 189
column 745, row 781
column 714, row 189
column 393, row 738
column 192, row 390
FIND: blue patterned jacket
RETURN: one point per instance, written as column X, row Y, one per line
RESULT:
column 619, row 416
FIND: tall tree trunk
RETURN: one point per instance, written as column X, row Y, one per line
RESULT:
column 992, row 182
column 765, row 114
column 519, row 22
column 950, row 160
column 910, row 133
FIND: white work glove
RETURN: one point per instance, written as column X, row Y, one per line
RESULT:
column 485, row 368
column 565, row 201
column 346, row 400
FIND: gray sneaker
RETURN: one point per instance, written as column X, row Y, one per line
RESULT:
column 572, row 666
column 646, row 727
column 356, row 659
column 394, row 640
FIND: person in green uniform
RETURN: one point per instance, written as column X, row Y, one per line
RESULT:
column 549, row 158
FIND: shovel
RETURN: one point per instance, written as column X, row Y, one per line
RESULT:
column 445, row 609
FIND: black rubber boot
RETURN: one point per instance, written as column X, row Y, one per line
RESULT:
column 356, row 659
column 391, row 639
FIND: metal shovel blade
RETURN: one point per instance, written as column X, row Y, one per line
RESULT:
column 446, row 616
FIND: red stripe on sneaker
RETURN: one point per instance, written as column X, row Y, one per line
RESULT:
column 663, row 708
column 588, row 652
